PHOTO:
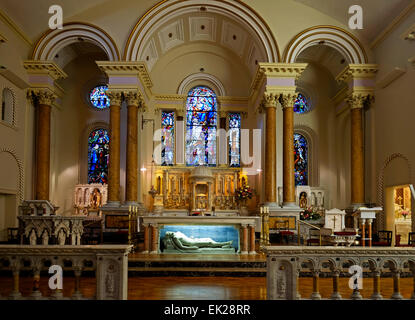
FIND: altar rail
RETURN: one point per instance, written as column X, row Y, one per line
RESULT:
column 108, row 262
column 284, row 265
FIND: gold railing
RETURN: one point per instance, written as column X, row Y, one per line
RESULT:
column 299, row 222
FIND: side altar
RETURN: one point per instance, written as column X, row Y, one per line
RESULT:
column 199, row 234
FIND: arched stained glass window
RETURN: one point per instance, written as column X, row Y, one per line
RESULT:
column 201, row 120
column 235, row 139
column 98, row 97
column 98, row 156
column 167, row 138
column 300, row 160
column 301, row 105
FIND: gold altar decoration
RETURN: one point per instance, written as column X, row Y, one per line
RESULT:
column 264, row 239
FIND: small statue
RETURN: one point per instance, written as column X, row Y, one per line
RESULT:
column 303, row 200
column 33, row 238
column 95, row 199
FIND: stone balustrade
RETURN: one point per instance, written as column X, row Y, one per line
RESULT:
column 108, row 262
column 284, row 265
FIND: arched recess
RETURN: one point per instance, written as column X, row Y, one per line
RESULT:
column 167, row 9
column 343, row 41
column 404, row 177
column 83, row 152
column 201, row 79
column 19, row 162
column 313, row 168
column 8, row 106
column 54, row 40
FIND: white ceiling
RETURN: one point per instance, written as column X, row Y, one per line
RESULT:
column 32, row 15
column 377, row 14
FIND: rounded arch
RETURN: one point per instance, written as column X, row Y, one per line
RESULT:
column 54, row 40
column 201, row 79
column 166, row 8
column 343, row 41
column 381, row 182
column 8, row 106
column 21, row 172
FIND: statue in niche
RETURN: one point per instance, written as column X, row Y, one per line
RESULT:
column 45, row 238
column 61, row 237
column 179, row 241
column 303, row 200
column 33, row 238
column 95, row 199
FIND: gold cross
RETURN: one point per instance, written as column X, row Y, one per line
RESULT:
column 334, row 222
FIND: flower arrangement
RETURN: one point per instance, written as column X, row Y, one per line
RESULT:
column 310, row 214
column 404, row 213
column 244, row 193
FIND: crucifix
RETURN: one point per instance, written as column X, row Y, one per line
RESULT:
column 334, row 222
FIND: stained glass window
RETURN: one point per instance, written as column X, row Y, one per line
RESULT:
column 98, row 156
column 300, row 160
column 99, row 98
column 201, row 121
column 167, row 138
column 234, row 139
column 301, row 104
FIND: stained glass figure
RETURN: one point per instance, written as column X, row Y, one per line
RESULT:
column 98, row 156
column 201, row 119
column 167, row 138
column 99, row 98
column 235, row 139
column 300, row 160
column 301, row 104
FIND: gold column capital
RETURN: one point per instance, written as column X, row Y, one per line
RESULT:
column 270, row 100
column 288, row 99
column 115, row 96
column 358, row 100
column 42, row 95
column 134, row 98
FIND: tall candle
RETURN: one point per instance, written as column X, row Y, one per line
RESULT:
column 261, row 210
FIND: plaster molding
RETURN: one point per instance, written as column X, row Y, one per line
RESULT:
column 20, row 166
column 345, row 42
column 49, row 68
column 43, row 96
column 357, row 71
column 191, row 81
column 14, row 106
column 115, row 96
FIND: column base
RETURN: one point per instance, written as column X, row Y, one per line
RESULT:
column 252, row 252
column 356, row 295
column 271, row 205
column 396, row 296
column 77, row 296
column 15, row 296
column 289, row 205
column 336, row 296
column 244, row 252
column 153, row 252
column 376, row 296
column 315, row 296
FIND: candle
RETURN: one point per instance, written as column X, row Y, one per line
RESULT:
column 129, row 209
column 261, row 210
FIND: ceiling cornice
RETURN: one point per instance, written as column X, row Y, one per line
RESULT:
column 15, row 28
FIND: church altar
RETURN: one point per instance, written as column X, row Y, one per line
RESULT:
column 181, row 191
column 239, row 230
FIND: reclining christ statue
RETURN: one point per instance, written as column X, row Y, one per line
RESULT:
column 179, row 241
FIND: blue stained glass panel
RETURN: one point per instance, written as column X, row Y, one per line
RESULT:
column 235, row 139
column 300, row 160
column 98, row 156
column 301, row 104
column 99, row 98
column 167, row 138
column 201, row 121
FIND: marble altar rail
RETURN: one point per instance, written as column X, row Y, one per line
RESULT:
column 108, row 262
column 284, row 265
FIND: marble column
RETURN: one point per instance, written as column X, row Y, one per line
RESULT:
column 244, row 249
column 146, row 239
column 376, row 295
column 316, row 288
column 287, row 102
column 357, row 103
column 154, row 239
column 44, row 100
column 114, row 152
column 270, row 177
column 131, row 186
column 252, row 239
